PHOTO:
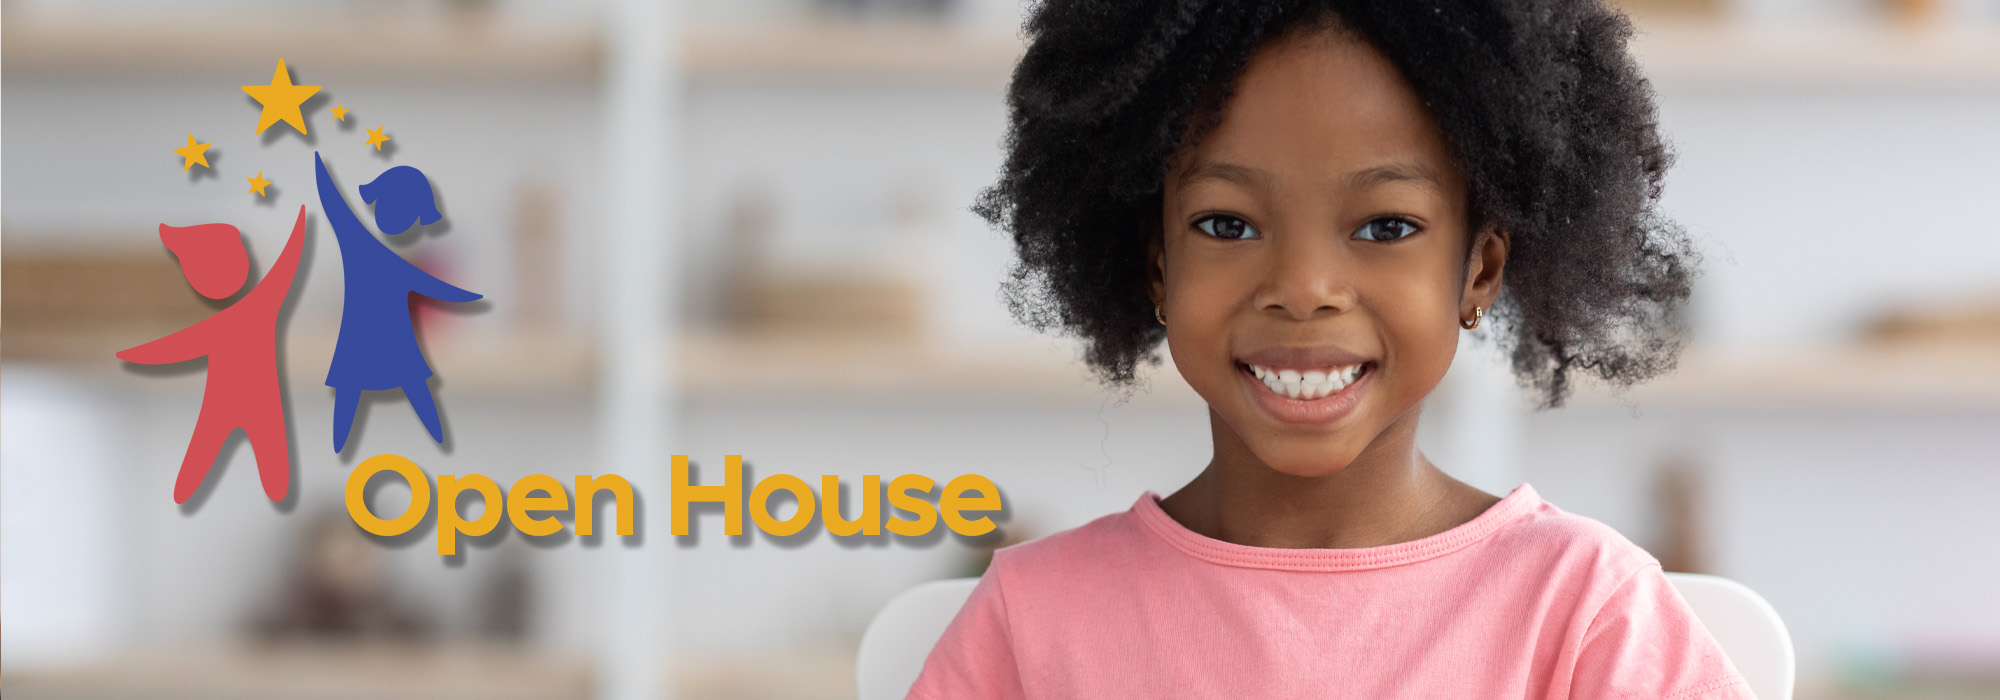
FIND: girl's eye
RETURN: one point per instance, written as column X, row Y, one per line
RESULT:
column 1226, row 226
column 1387, row 229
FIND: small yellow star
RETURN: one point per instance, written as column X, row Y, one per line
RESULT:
column 375, row 137
column 281, row 100
column 257, row 183
column 338, row 113
column 194, row 153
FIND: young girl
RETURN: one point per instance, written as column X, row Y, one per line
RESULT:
column 1308, row 201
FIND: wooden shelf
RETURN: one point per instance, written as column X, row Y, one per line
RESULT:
column 429, row 671
column 1867, row 55
column 715, row 366
column 799, row 52
column 1865, row 376
column 318, row 671
column 785, row 367
column 1674, row 50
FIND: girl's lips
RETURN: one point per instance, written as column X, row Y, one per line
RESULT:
column 1328, row 409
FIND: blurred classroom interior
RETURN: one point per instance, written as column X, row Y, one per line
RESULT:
column 1829, row 439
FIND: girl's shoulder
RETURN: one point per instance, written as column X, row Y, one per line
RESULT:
column 1567, row 540
column 1106, row 540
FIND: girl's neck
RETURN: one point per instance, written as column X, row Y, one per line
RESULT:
column 1389, row 494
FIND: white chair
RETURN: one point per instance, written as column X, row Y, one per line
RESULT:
column 902, row 634
column 1749, row 630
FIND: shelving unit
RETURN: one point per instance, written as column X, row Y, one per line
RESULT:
column 1674, row 50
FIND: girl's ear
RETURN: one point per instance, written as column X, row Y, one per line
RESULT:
column 1156, row 269
column 1483, row 270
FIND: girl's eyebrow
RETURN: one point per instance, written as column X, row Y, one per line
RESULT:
column 1226, row 172
column 1410, row 171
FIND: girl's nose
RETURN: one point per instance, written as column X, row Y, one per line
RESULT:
column 1306, row 276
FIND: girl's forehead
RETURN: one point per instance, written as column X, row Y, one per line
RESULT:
column 1324, row 105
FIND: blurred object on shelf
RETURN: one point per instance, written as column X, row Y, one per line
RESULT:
column 509, row 591
column 83, row 303
column 764, row 296
column 1672, row 8
column 474, row 15
column 746, row 238
column 1679, row 540
column 876, row 303
column 1914, row 11
column 338, row 590
column 934, row 9
column 1974, row 321
column 537, row 256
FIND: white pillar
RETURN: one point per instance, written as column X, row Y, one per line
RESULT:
column 636, row 318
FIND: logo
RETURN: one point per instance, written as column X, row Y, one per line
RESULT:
column 376, row 349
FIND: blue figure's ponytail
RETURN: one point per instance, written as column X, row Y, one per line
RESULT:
column 401, row 195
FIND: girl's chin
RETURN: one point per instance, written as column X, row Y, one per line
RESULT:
column 1296, row 458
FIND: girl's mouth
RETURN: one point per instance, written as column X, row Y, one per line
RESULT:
column 1308, row 385
column 1309, row 396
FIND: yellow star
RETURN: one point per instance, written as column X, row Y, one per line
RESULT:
column 257, row 183
column 281, row 100
column 194, row 153
column 338, row 113
column 375, row 138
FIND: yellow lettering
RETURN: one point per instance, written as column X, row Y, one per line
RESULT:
column 870, row 522
column 901, row 500
column 954, row 501
column 357, row 501
column 521, row 506
column 729, row 494
column 760, row 505
column 450, row 523
column 586, row 502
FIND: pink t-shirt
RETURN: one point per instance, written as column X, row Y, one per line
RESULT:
column 1523, row 601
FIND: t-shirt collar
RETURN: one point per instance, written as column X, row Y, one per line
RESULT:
column 1515, row 504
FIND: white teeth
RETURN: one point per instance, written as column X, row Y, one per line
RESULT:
column 1308, row 385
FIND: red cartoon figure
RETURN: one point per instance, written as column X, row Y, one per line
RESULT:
column 240, row 343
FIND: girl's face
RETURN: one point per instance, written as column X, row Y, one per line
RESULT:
column 1313, row 263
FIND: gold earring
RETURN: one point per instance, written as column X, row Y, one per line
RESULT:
column 1478, row 314
column 1159, row 315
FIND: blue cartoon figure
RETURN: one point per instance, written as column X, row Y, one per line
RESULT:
column 377, row 349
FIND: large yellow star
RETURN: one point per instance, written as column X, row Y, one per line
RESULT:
column 339, row 114
column 194, row 153
column 281, row 100
column 257, row 183
column 375, row 137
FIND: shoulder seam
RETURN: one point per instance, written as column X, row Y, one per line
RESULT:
column 1598, row 607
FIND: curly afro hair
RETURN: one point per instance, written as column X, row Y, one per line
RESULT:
column 1550, row 118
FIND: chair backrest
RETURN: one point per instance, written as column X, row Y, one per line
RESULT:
column 1747, row 627
column 902, row 634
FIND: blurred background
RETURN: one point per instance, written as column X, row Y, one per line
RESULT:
column 1830, row 439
